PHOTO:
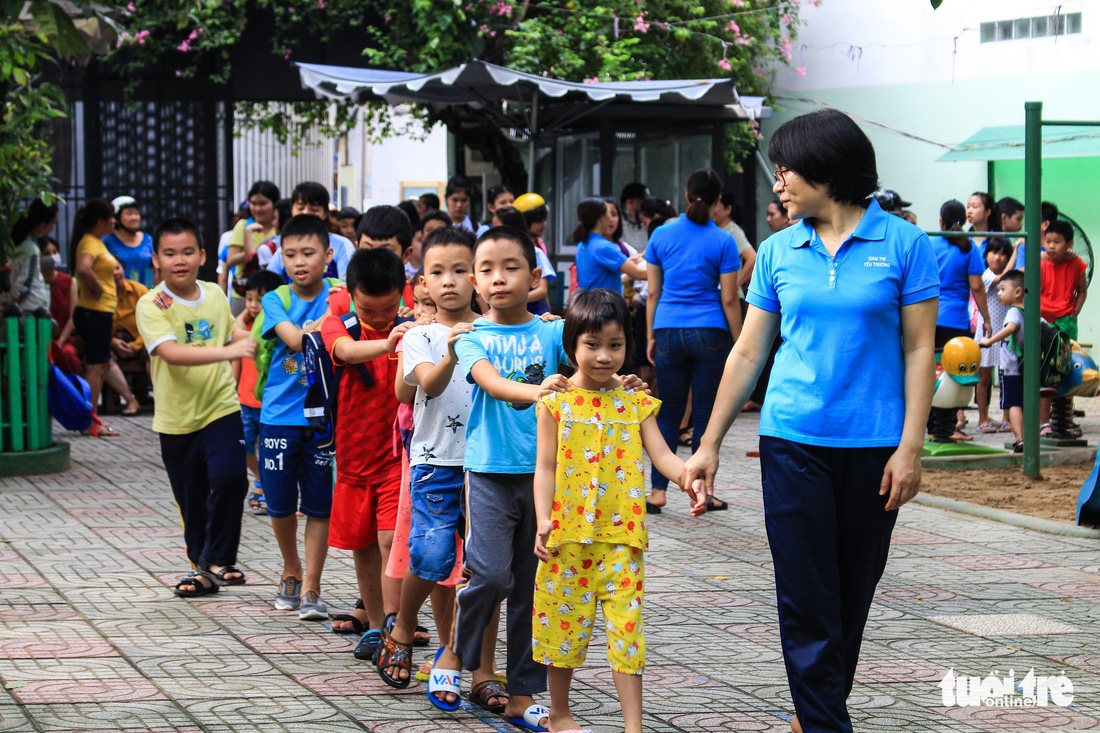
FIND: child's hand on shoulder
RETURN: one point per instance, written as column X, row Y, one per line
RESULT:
column 425, row 320
column 548, row 316
column 456, row 331
column 545, row 528
column 255, row 227
column 396, row 333
column 405, row 312
column 634, row 383
column 554, row 383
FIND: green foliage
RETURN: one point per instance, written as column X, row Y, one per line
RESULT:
column 575, row 40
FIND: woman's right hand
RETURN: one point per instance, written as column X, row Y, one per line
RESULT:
column 703, row 465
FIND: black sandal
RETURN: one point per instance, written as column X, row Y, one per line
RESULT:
column 191, row 587
column 685, row 437
column 391, row 619
column 714, row 504
column 220, row 579
column 482, row 691
column 357, row 626
column 394, row 654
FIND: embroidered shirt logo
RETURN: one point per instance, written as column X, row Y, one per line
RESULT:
column 163, row 301
column 875, row 261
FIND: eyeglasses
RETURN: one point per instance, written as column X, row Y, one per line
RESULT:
column 780, row 175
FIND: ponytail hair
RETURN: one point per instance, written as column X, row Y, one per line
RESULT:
column 703, row 189
column 93, row 210
column 37, row 213
column 589, row 212
column 952, row 216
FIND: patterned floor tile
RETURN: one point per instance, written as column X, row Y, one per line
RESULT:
column 51, row 692
column 1004, row 624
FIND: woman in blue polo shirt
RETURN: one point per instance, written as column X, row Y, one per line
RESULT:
column 693, row 314
column 960, row 267
column 852, row 290
column 600, row 263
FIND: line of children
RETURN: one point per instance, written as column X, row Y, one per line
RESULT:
column 998, row 250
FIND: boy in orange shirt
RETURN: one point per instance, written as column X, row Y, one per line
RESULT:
column 368, row 473
column 258, row 285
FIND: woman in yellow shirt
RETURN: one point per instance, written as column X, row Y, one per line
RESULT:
column 94, row 267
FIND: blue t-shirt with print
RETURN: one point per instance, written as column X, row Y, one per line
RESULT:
column 692, row 258
column 839, row 376
column 598, row 263
column 342, row 250
column 955, row 267
column 137, row 261
column 285, row 392
column 500, row 436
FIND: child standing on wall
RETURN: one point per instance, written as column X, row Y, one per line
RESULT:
column 590, row 501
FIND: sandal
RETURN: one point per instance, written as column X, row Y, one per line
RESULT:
column 220, row 579
column 1004, row 428
column 257, row 504
column 685, row 437
column 714, row 504
column 987, row 428
column 394, row 654
column 368, row 645
column 482, row 691
column 1046, row 430
column 356, row 625
column 133, row 407
column 191, row 587
column 1018, row 446
column 532, row 718
column 424, row 671
column 444, row 680
column 391, row 619
column 653, row 508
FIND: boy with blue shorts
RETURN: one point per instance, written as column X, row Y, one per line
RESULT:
column 296, row 471
column 259, row 284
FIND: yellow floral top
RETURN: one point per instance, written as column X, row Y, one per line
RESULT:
column 599, row 493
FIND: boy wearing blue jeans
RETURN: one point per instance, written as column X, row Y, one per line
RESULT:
column 296, row 471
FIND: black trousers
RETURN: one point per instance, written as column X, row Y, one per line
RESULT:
column 829, row 536
column 209, row 479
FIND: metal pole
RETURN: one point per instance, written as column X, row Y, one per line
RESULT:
column 531, row 146
column 1033, row 194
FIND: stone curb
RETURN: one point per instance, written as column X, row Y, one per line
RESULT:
column 1000, row 515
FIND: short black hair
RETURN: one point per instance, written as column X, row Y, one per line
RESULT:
column 433, row 215
column 430, row 200
column 1008, row 206
column 410, row 211
column 589, row 312
column 377, row 271
column 176, row 225
column 995, row 245
column 779, row 205
column 385, row 222
column 633, row 191
column 285, row 209
column 510, row 216
column 456, row 184
column 348, row 212
column 1015, row 277
column 1060, row 226
column 827, row 147
column 445, row 236
column 1048, row 212
column 306, row 225
column 510, row 234
column 262, row 281
column 536, row 215
column 311, row 194
column 496, row 192
column 266, row 189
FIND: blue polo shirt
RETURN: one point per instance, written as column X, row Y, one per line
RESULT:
column 692, row 257
column 839, row 376
column 955, row 267
column 598, row 263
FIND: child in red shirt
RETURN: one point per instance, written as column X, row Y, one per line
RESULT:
column 1063, row 287
column 368, row 474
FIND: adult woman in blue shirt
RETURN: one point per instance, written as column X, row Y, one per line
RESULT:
column 693, row 314
column 961, row 267
column 853, row 292
column 600, row 263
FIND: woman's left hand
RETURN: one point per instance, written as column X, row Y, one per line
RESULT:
column 901, row 479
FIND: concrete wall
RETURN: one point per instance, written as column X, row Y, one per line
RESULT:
column 375, row 171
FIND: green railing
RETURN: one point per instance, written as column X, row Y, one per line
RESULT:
column 24, row 368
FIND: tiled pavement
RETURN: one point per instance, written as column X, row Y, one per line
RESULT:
column 91, row 638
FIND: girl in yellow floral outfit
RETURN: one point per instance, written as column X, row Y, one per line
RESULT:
column 590, row 502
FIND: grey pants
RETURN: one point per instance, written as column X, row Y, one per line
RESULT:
column 499, row 564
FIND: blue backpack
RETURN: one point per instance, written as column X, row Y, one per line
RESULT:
column 70, row 399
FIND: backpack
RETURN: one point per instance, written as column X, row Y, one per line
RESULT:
column 323, row 378
column 1054, row 354
column 266, row 350
column 70, row 399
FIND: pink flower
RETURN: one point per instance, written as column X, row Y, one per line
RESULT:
column 733, row 28
column 179, row 73
column 640, row 24
column 593, row 80
column 321, row 3
column 184, row 47
column 502, row 9
column 800, row 70
column 743, row 41
column 130, row 7
column 725, row 64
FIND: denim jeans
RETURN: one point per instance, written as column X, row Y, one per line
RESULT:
column 688, row 359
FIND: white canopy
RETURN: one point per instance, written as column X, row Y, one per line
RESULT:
column 478, row 83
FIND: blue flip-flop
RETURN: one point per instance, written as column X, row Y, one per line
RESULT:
column 445, row 680
column 531, row 717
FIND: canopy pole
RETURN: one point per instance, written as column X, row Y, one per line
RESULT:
column 531, row 144
column 1033, row 194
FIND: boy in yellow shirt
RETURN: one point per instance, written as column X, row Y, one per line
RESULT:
column 190, row 334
